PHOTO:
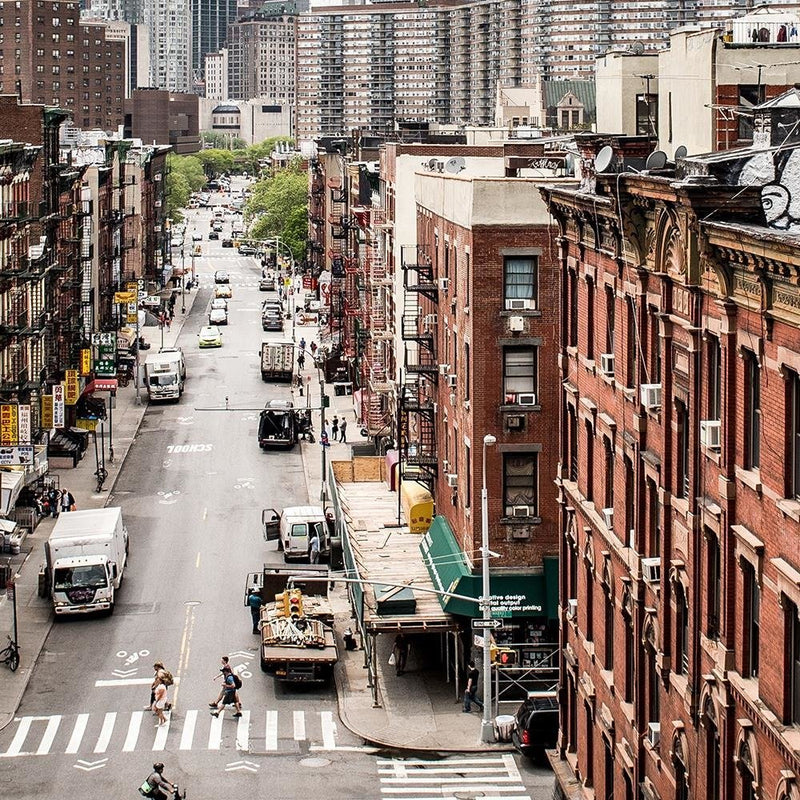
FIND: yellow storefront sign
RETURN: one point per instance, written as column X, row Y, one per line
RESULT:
column 125, row 297
column 8, row 423
column 86, row 361
column 72, row 390
column 47, row 411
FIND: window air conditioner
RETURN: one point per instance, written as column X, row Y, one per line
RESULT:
column 452, row 380
column 651, row 395
column 444, row 369
column 710, row 433
column 526, row 399
column 521, row 511
column 654, row 733
column 452, row 480
column 651, row 570
column 444, row 284
column 607, row 364
column 517, row 305
column 608, row 517
column 572, row 608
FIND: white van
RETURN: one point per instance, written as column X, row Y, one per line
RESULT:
column 294, row 527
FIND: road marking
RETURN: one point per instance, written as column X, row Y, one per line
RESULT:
column 187, row 736
column 77, row 734
column 161, row 734
column 215, row 731
column 133, row 731
column 15, row 748
column 328, row 730
column 123, row 682
column 186, row 638
column 299, row 725
column 272, row 731
column 243, row 732
column 105, row 732
column 234, row 766
column 124, row 673
column 49, row 735
column 197, row 561
column 89, row 766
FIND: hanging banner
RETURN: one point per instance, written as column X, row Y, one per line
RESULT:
column 72, row 388
column 24, row 425
column 58, row 406
column 47, row 411
column 86, row 361
column 8, row 424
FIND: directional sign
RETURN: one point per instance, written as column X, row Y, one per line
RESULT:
column 482, row 624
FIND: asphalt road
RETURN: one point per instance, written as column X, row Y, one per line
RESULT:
column 192, row 489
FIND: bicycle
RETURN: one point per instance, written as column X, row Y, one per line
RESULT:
column 101, row 475
column 9, row 655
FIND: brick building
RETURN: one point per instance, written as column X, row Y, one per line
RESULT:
column 165, row 118
column 50, row 57
column 679, row 472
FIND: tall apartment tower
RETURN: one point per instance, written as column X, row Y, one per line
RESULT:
column 210, row 20
column 262, row 54
column 170, row 24
column 60, row 60
column 217, row 75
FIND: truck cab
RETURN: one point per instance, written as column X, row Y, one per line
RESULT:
column 293, row 529
column 165, row 374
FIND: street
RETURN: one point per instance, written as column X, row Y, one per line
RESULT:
column 192, row 489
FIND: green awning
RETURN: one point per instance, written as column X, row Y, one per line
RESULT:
column 516, row 595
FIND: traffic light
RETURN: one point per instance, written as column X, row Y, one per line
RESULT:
column 295, row 604
column 507, row 657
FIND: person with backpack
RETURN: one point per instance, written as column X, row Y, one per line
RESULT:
column 230, row 697
column 67, row 501
column 156, row 784
column 161, row 675
column 160, row 702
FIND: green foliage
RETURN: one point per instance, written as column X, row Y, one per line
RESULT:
column 248, row 160
column 278, row 206
column 215, row 162
column 222, row 141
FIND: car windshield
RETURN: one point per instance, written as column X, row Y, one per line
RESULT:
column 93, row 577
column 163, row 380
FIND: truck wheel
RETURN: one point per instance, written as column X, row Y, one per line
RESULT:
column 264, row 667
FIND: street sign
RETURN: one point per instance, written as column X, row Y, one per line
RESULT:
column 482, row 624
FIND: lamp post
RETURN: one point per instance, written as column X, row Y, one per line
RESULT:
column 487, row 729
column 183, row 274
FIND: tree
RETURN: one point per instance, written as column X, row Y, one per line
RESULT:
column 216, row 162
column 249, row 159
column 222, row 141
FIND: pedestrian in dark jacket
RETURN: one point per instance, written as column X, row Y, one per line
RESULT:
column 335, row 428
column 255, row 602
column 343, row 431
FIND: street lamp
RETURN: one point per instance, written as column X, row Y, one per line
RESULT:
column 487, row 729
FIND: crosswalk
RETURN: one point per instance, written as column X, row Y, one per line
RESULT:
column 490, row 777
column 122, row 731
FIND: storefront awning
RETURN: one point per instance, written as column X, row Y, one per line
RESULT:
column 514, row 595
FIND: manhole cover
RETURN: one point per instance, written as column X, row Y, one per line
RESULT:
column 314, row 762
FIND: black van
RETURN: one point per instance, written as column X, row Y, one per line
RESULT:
column 537, row 724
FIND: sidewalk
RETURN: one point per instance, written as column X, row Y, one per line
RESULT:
column 34, row 614
column 419, row 710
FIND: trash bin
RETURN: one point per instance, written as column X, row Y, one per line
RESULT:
column 503, row 727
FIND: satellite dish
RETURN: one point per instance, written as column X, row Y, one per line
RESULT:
column 455, row 165
column 656, row 160
column 429, row 164
column 602, row 161
column 681, row 151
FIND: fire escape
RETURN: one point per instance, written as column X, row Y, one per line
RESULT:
column 336, row 253
column 418, row 456
column 316, row 216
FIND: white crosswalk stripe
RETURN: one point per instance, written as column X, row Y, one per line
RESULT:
column 127, row 732
column 491, row 777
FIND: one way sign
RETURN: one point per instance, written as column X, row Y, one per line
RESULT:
column 483, row 624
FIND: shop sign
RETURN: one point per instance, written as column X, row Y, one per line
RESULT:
column 125, row 297
column 16, row 456
column 8, row 423
column 86, row 361
column 72, row 388
column 106, row 367
column 47, row 411
column 58, row 406
column 24, row 425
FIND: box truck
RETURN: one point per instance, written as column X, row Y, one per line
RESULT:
column 165, row 374
column 85, row 560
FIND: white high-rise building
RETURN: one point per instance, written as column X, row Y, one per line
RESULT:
column 170, row 24
column 217, row 75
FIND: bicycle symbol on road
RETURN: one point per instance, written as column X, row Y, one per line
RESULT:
column 168, row 498
column 245, row 483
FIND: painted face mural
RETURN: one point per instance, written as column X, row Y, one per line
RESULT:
column 780, row 199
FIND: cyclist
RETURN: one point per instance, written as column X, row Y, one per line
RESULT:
column 158, row 783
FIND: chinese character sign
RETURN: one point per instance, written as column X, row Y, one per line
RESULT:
column 24, row 425
column 86, row 361
column 8, row 424
column 71, row 387
column 58, row 406
column 47, row 411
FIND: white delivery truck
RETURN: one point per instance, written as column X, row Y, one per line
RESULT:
column 165, row 374
column 86, row 555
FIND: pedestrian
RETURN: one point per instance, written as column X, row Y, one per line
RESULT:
column 335, row 427
column 323, row 439
column 230, row 695
column 158, row 674
column 255, row 602
column 224, row 664
column 67, row 501
column 171, row 312
column 472, row 688
column 159, row 704
column 53, row 500
column 343, row 431
column 400, row 652
column 313, row 548
column 302, row 342
column 313, row 349
column 298, row 380
column 301, row 360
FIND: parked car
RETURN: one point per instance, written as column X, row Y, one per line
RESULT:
column 271, row 321
column 227, row 242
column 218, row 316
column 266, row 285
column 219, row 302
column 536, row 728
column 247, row 250
column 221, row 276
column 223, row 291
column 209, row 336
column 213, row 235
column 197, row 236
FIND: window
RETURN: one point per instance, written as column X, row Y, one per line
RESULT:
column 588, row 630
column 632, row 343
column 713, row 759
column 572, row 298
column 714, row 595
column 714, row 355
column 630, row 657
column 793, row 435
column 520, row 372
column 655, row 345
column 610, row 319
column 682, row 450
column 749, row 95
column 608, row 629
column 521, row 483
column 646, row 114
column 608, row 493
column 681, row 632
column 590, row 320
column 652, row 704
column 572, row 422
column 468, row 482
column 752, row 622
column 653, row 519
column 630, row 499
column 520, row 279
column 752, row 411
column 589, row 461
column 466, row 371
column 793, row 671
